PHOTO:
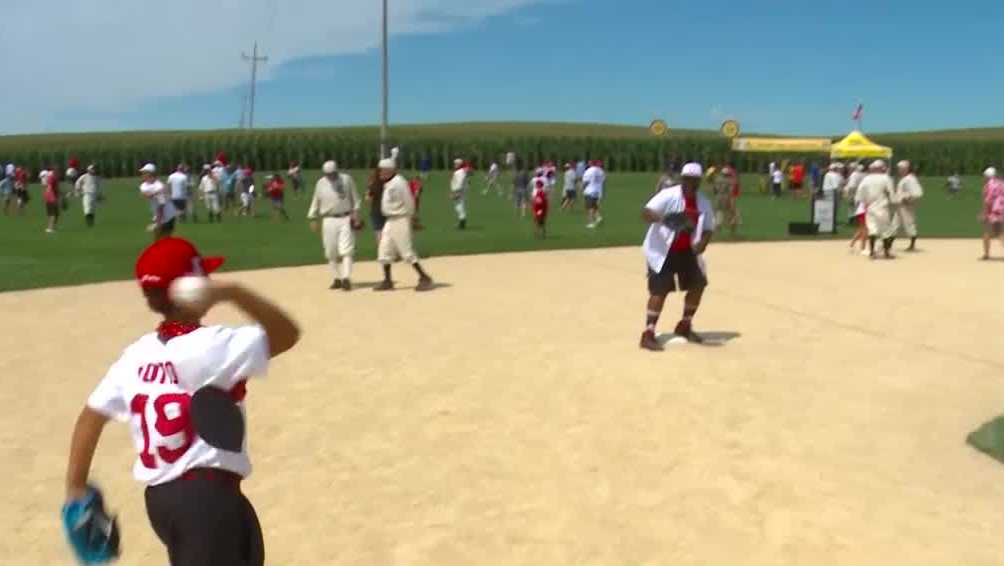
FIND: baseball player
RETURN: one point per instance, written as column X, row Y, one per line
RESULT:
column 908, row 192
column 178, row 183
column 295, row 174
column 163, row 209
column 993, row 209
column 182, row 389
column 88, row 186
column 336, row 203
column 681, row 224
column 7, row 192
column 397, row 206
column 570, row 194
column 209, row 187
column 458, row 191
column 876, row 193
column 492, row 179
column 539, row 204
column 593, row 180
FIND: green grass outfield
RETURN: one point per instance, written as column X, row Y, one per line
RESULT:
column 30, row 258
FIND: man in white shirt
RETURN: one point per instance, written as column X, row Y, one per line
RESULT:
column 681, row 223
column 875, row 193
column 492, row 179
column 908, row 193
column 209, row 187
column 178, row 184
column 593, row 181
column 776, row 180
column 398, row 206
column 334, row 212
column 458, row 192
column 182, row 389
column 570, row 192
column 163, row 209
column 88, row 186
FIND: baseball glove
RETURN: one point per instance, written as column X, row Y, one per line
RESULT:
column 93, row 534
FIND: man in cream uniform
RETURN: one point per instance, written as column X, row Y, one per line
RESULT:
column 336, row 203
column 398, row 206
column 876, row 193
column 681, row 223
column 458, row 192
column 88, row 186
column 908, row 192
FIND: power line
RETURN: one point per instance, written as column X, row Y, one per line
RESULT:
column 254, row 59
column 383, row 116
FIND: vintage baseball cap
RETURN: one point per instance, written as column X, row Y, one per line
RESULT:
column 904, row 164
column 458, row 162
column 148, row 168
column 170, row 258
column 990, row 172
column 877, row 165
column 692, row 169
column 387, row 163
column 329, row 167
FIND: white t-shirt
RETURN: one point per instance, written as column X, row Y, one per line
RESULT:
column 156, row 192
column 178, row 182
column 570, row 179
column 459, row 180
column 660, row 237
column 593, row 180
column 151, row 385
column 493, row 171
column 777, row 177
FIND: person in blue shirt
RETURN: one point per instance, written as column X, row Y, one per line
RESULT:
column 816, row 174
column 424, row 166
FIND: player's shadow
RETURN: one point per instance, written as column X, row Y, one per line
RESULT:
column 712, row 339
column 399, row 287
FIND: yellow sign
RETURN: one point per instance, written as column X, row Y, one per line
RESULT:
column 730, row 129
column 782, row 145
column 658, row 128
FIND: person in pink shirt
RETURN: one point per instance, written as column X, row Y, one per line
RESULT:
column 51, row 197
column 993, row 209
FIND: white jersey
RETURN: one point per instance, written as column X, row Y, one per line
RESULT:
column 209, row 184
column 151, row 385
column 593, row 180
column 493, row 171
column 458, row 183
column 156, row 192
column 178, row 182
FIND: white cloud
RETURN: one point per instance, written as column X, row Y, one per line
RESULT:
column 108, row 55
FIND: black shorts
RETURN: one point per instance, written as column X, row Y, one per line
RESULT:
column 571, row 195
column 52, row 209
column 180, row 204
column 21, row 195
column 682, row 266
column 205, row 522
column 592, row 203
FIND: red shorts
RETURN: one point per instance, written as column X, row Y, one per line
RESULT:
column 861, row 219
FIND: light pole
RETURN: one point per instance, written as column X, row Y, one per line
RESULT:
column 383, row 116
column 254, row 59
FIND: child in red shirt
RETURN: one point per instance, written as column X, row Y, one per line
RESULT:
column 539, row 203
column 276, row 193
column 51, row 196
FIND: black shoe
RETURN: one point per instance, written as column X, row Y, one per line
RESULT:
column 424, row 284
column 462, row 225
column 648, row 342
column 346, row 285
column 337, row 284
column 385, row 285
column 684, row 330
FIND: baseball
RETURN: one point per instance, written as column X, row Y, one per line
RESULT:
column 190, row 292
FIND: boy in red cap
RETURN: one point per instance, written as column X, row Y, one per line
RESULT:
column 169, row 385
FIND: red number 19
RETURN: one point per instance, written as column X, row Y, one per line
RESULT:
column 166, row 426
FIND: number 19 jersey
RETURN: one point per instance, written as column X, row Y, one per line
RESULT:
column 151, row 385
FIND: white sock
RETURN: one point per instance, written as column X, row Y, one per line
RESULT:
column 347, row 266
column 334, row 267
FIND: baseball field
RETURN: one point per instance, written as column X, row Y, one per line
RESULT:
column 509, row 418
column 30, row 258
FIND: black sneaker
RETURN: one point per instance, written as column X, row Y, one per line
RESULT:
column 384, row 285
column 684, row 330
column 346, row 285
column 337, row 284
column 648, row 342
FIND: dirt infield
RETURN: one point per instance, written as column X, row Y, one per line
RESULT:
column 509, row 417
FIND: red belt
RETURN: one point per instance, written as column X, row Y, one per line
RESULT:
column 213, row 474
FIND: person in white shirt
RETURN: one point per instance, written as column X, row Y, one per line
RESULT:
column 776, row 180
column 492, row 179
column 334, row 212
column 398, row 206
column 182, row 389
column 908, row 193
column 681, row 224
column 88, row 186
column 593, row 181
column 570, row 192
column 876, row 194
column 458, row 191
column 163, row 209
column 209, row 188
column 178, row 184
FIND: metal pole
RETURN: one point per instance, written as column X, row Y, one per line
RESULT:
column 254, row 59
column 383, row 117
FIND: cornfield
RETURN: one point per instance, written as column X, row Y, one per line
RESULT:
column 623, row 148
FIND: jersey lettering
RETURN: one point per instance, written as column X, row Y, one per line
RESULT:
column 173, row 423
column 163, row 373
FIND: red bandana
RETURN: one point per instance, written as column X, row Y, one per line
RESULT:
column 172, row 329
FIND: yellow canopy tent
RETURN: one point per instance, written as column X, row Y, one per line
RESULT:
column 857, row 145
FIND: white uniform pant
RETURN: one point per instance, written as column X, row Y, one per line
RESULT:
column 395, row 241
column 460, row 206
column 213, row 203
column 90, row 203
column 879, row 222
column 907, row 219
column 339, row 245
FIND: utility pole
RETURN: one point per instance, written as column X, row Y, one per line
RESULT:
column 383, row 117
column 244, row 110
column 254, row 59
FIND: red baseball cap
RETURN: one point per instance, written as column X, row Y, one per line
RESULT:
column 170, row 258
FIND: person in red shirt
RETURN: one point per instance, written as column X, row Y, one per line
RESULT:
column 415, row 185
column 539, row 203
column 797, row 178
column 276, row 193
column 52, row 199
column 21, row 188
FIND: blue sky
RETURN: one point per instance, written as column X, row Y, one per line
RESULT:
column 776, row 66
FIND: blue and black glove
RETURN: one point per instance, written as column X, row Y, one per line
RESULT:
column 93, row 534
